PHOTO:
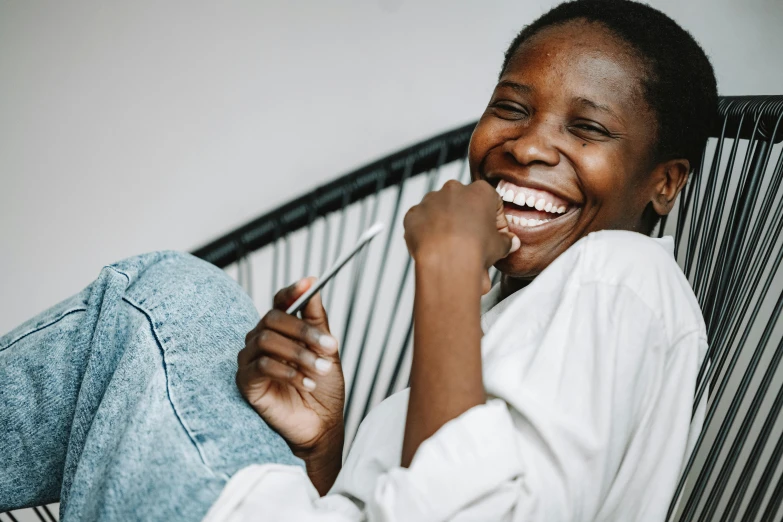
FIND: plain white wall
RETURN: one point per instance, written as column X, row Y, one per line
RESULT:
column 133, row 126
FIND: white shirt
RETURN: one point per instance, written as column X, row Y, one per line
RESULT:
column 590, row 374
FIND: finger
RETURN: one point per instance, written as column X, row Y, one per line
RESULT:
column 285, row 297
column 512, row 243
column 486, row 283
column 314, row 312
column 298, row 330
column 269, row 368
column 287, row 351
column 500, row 216
column 506, row 244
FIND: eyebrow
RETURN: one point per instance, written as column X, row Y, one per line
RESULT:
column 597, row 106
column 519, row 87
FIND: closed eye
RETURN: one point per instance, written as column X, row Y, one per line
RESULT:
column 592, row 128
column 510, row 111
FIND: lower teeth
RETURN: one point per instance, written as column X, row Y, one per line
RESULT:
column 524, row 221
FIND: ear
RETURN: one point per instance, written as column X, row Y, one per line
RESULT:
column 667, row 180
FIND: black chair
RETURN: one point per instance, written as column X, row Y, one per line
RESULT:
column 727, row 230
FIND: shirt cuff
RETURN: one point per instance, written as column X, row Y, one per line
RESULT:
column 467, row 458
column 278, row 492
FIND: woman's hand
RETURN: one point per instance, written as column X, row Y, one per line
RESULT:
column 460, row 220
column 289, row 371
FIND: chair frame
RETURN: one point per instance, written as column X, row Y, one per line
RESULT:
column 723, row 239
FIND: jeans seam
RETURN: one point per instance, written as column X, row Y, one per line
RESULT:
column 43, row 326
column 169, row 395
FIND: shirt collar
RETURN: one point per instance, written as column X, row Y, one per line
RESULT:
column 492, row 305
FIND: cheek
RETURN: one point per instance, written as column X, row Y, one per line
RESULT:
column 486, row 143
column 478, row 148
column 602, row 175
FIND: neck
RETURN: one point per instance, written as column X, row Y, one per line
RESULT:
column 509, row 285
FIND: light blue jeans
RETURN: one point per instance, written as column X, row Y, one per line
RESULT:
column 121, row 402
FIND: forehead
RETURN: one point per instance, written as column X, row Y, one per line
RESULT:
column 581, row 59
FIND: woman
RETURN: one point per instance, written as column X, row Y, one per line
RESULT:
column 565, row 393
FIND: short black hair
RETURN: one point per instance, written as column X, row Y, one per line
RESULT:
column 680, row 85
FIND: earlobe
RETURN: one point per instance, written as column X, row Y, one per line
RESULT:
column 669, row 179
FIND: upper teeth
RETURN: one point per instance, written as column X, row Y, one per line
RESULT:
column 537, row 199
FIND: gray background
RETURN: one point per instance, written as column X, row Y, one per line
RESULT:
column 134, row 126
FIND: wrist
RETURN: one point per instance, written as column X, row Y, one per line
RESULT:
column 324, row 459
column 450, row 255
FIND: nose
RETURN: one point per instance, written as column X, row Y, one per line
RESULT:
column 534, row 143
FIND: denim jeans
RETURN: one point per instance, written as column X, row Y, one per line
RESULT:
column 121, row 402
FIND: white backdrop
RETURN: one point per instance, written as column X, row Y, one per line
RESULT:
column 136, row 126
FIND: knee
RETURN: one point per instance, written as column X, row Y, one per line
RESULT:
column 184, row 287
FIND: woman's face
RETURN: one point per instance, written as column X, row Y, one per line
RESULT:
column 566, row 139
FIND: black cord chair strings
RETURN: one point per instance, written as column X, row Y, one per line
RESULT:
column 727, row 229
column 727, row 236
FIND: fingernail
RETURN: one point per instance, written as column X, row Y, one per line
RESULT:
column 322, row 365
column 327, row 342
column 308, row 383
column 515, row 244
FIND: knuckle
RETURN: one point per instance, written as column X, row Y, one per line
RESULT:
column 407, row 218
column 263, row 363
column 264, row 322
column 301, row 354
column 305, row 331
column 263, row 337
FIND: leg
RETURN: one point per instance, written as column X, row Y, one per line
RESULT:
column 121, row 401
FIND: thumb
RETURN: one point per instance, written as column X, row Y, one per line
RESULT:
column 511, row 241
column 314, row 312
column 285, row 297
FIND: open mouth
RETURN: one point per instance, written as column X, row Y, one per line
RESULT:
column 529, row 208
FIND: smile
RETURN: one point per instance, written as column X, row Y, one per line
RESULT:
column 527, row 207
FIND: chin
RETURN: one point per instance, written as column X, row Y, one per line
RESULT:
column 519, row 265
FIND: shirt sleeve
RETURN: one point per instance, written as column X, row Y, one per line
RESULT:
column 467, row 458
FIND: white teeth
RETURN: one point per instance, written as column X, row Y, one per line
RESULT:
column 513, row 194
column 516, row 220
column 523, row 222
column 509, row 219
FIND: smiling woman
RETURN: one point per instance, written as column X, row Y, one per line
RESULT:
column 564, row 393
column 605, row 106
